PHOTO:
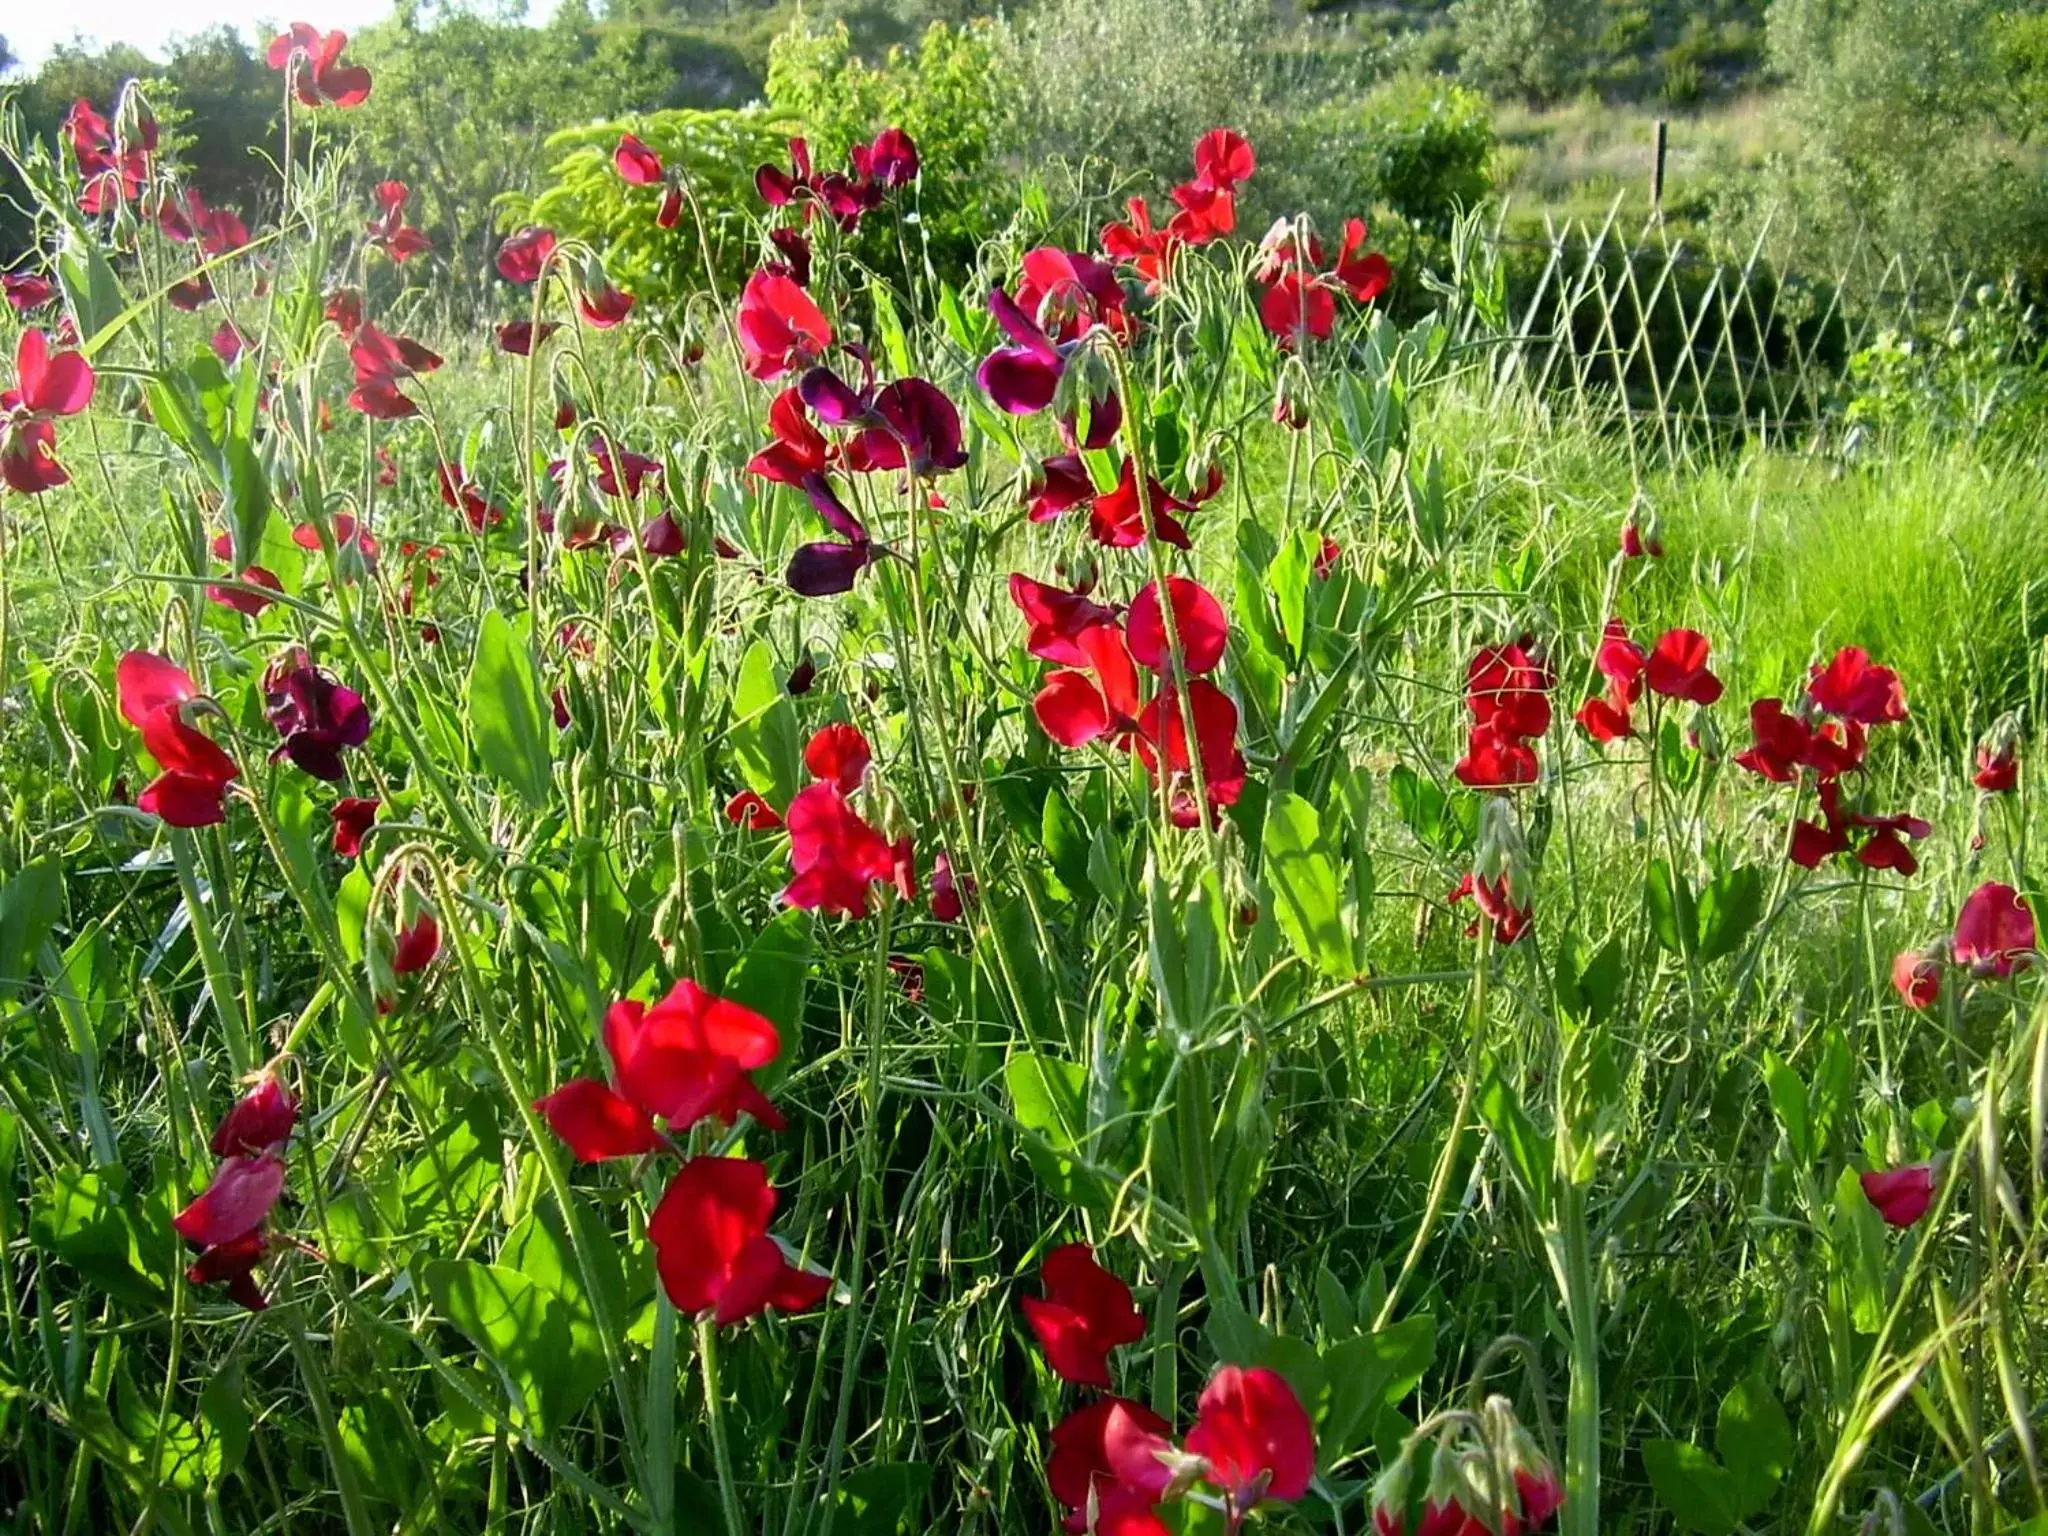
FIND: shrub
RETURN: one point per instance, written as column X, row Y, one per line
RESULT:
column 945, row 95
column 1428, row 146
column 1531, row 47
column 717, row 151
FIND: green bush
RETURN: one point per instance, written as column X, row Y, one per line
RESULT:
column 716, row 152
column 1428, row 146
column 1534, row 48
column 944, row 94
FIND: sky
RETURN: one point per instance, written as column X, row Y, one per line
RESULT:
column 34, row 27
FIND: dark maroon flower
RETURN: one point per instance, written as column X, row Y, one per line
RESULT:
column 26, row 290
column 518, row 336
column 317, row 717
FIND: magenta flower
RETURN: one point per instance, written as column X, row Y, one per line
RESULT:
column 314, row 713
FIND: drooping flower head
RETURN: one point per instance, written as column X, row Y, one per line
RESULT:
column 155, row 696
column 714, row 1252
column 318, row 76
column 47, row 385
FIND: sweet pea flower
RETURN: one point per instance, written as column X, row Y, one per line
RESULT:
column 317, row 717
column 319, row 78
column 1900, row 1195
column 524, row 255
column 1995, row 933
column 154, row 697
column 836, row 858
column 389, row 232
column 1854, row 688
column 714, row 1252
column 780, row 329
column 1084, row 1314
column 48, row 385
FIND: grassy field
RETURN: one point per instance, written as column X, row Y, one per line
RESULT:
column 1496, row 1127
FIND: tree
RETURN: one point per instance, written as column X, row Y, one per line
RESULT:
column 1533, row 47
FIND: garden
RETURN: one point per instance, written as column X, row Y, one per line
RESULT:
column 852, row 846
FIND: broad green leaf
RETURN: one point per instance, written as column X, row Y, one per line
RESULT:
column 31, row 901
column 1530, row 1156
column 227, row 1420
column 887, row 1499
column 507, row 718
column 1307, row 902
column 1789, row 1103
column 523, row 1330
column 1288, row 578
column 1755, row 1441
column 1672, row 919
column 1066, row 843
column 764, row 728
column 1693, row 1486
column 1366, row 1374
column 1049, row 1097
column 1728, row 910
column 769, row 978
column 78, row 1218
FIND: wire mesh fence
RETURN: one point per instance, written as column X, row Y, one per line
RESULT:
column 1695, row 348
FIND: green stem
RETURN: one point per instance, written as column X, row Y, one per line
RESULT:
column 1572, row 1256
column 714, row 1415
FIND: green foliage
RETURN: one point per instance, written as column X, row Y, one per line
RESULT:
column 1427, row 147
column 1531, row 47
column 946, row 94
column 715, row 153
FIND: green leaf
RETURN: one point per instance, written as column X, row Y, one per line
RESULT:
column 764, row 728
column 1860, row 1252
column 507, row 723
column 227, row 1420
column 1789, row 1102
column 524, row 1331
column 1693, row 1486
column 1755, row 1441
column 30, row 903
column 1049, row 1097
column 1672, row 918
column 1307, row 902
column 769, row 978
column 1530, row 1156
column 887, row 1499
column 1367, row 1374
column 1065, row 837
column 1728, row 910
column 1288, row 578
column 76, row 1217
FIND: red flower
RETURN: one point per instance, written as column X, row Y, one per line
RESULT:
column 244, row 602
column 1855, row 688
column 47, row 385
column 1297, row 305
column 1117, row 518
column 1496, row 758
column 1635, row 544
column 891, row 161
column 1917, row 978
column 153, row 695
column 798, row 450
column 524, row 255
column 113, row 168
column 1197, row 618
column 636, row 164
column 418, row 942
column 1080, row 1471
column 388, row 231
column 601, row 303
column 1057, row 619
column 748, row 809
column 518, row 337
column 1622, row 662
column 835, row 856
column 319, row 77
column 1998, row 767
column 218, row 230
column 1496, row 903
column 26, row 291
column 713, row 1250
column 352, row 817
column 237, row 1201
column 780, row 329
column 261, row 1119
column 1783, row 742
column 1069, row 293
column 1162, row 734
column 1508, row 688
column 949, row 894
column 381, row 362
column 1256, row 1437
column 1901, row 1195
column 1300, row 300
column 1995, row 932
column 1677, row 668
column 686, row 1057
column 1364, row 276
column 838, row 755
column 344, row 311
column 463, row 494
column 1085, row 1313
column 1074, row 707
column 1139, row 245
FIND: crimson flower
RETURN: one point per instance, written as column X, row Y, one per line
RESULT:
column 228, row 342
column 1300, row 301
column 319, row 77
column 381, row 363
column 524, row 255
column 1995, row 932
column 1855, row 688
column 1116, row 518
column 1075, row 707
column 225, row 1221
column 1636, row 544
column 388, row 231
column 26, row 291
column 1208, row 204
column 1998, row 764
column 344, row 311
column 950, row 893
column 218, row 230
column 462, row 493
column 1622, row 662
column 1059, row 484
column 1677, row 668
column 243, row 601
column 1057, row 619
column 836, row 858
column 261, row 1119
column 797, row 449
column 636, row 164
column 1080, row 1470
column 47, row 385
column 314, row 713
column 1162, row 738
column 1197, row 619
column 891, row 161
column 838, row 755
column 915, row 427
column 600, row 302
column 113, row 169
column 1061, row 296
column 154, row 695
column 780, row 329
column 1901, row 1195
column 748, row 809
column 687, row 1057
column 1917, row 978
column 1142, row 246
column 518, row 337
column 1085, row 1313
column 417, row 945
column 792, row 258
column 713, row 1250
column 779, row 188
column 1495, row 899
column 1256, row 1438
column 352, row 818
column 1507, row 690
